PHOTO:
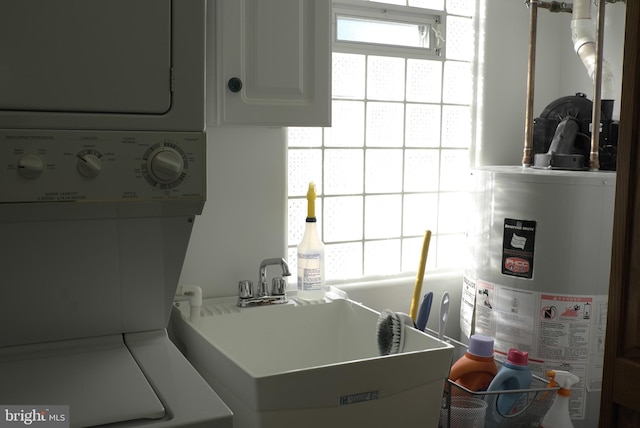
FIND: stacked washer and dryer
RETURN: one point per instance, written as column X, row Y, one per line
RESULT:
column 102, row 173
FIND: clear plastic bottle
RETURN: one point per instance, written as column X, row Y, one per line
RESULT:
column 311, row 279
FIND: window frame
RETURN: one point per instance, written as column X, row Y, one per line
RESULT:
column 392, row 13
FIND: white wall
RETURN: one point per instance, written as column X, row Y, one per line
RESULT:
column 504, row 46
column 244, row 220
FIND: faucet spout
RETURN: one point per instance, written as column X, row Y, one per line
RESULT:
column 270, row 262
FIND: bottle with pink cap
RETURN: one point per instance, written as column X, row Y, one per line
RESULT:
column 514, row 374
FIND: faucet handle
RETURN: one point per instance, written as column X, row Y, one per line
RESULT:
column 245, row 289
column 278, row 286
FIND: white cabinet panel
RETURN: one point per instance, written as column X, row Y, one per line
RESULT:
column 275, row 62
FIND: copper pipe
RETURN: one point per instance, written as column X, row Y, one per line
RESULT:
column 528, row 126
column 594, row 161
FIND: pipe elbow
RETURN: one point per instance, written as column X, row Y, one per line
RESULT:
column 587, row 53
column 582, row 33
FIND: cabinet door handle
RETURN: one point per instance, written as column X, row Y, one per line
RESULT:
column 234, row 84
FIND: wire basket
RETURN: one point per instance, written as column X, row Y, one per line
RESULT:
column 469, row 407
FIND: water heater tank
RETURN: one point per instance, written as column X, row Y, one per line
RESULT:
column 537, row 273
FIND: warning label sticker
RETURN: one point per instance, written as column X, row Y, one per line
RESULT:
column 517, row 247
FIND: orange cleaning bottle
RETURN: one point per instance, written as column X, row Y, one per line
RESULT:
column 476, row 368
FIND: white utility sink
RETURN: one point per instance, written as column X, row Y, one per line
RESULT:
column 312, row 365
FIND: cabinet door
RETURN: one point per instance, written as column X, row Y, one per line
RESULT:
column 86, row 56
column 275, row 62
column 620, row 406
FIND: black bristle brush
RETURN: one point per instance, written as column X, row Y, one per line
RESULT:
column 390, row 330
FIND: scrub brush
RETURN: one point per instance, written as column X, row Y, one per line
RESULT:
column 391, row 330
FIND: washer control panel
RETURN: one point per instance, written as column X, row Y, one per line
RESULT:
column 101, row 166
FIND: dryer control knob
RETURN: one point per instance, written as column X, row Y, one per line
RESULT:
column 89, row 165
column 30, row 166
column 166, row 165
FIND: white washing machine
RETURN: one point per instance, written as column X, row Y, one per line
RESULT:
column 102, row 174
column 94, row 228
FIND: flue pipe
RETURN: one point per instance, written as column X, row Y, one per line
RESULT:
column 590, row 52
column 584, row 34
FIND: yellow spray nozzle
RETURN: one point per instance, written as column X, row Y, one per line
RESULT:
column 311, row 200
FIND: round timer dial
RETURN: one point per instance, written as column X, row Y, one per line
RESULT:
column 164, row 165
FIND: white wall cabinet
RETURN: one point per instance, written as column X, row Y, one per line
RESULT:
column 274, row 62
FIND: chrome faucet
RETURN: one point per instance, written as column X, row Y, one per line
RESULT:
column 262, row 288
column 264, row 296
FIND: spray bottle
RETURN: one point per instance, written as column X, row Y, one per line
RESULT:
column 311, row 280
column 558, row 415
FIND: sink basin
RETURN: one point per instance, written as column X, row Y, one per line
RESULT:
column 312, row 365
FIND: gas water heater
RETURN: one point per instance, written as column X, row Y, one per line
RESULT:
column 539, row 237
column 537, row 274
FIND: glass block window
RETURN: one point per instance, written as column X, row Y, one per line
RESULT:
column 395, row 160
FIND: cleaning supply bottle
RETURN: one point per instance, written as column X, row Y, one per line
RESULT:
column 514, row 374
column 311, row 280
column 476, row 368
column 558, row 415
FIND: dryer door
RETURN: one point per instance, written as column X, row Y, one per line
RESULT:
column 86, row 56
